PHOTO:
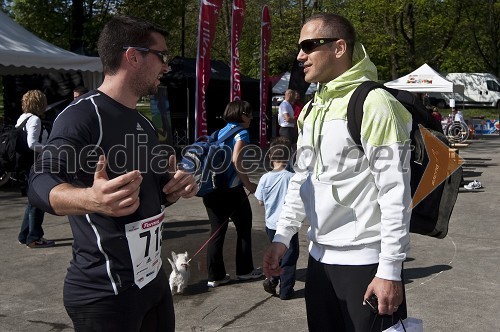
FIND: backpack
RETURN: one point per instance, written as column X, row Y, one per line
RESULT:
column 430, row 216
column 208, row 159
column 13, row 143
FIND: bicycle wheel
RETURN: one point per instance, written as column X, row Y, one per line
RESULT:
column 457, row 132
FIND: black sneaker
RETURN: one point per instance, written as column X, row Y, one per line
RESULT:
column 42, row 243
column 288, row 296
column 255, row 274
column 270, row 285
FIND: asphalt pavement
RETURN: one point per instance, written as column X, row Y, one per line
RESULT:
column 452, row 283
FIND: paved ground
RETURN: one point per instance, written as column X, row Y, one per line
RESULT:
column 453, row 283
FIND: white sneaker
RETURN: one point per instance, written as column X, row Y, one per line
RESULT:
column 473, row 185
column 216, row 283
column 255, row 274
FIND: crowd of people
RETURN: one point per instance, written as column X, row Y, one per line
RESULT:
column 358, row 215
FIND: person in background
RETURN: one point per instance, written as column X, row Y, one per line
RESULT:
column 102, row 167
column 79, row 90
column 356, row 202
column 232, row 202
column 459, row 116
column 286, row 120
column 297, row 106
column 270, row 193
column 452, row 116
column 436, row 114
column 34, row 103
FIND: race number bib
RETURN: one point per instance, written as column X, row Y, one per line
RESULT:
column 144, row 241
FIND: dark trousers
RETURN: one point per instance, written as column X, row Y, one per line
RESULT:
column 222, row 204
column 288, row 263
column 149, row 309
column 334, row 299
column 31, row 228
column 290, row 133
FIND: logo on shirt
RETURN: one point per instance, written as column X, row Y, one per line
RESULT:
column 139, row 128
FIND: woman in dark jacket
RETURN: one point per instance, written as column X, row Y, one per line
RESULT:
column 232, row 202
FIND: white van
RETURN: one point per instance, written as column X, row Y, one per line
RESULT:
column 480, row 89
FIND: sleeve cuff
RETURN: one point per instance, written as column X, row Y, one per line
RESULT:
column 389, row 270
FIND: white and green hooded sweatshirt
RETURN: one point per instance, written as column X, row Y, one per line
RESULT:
column 357, row 204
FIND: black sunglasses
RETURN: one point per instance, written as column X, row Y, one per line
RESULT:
column 161, row 54
column 308, row 45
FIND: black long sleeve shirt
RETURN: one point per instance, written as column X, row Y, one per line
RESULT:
column 96, row 124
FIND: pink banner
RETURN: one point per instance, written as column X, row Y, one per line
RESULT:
column 264, row 80
column 209, row 12
column 237, row 25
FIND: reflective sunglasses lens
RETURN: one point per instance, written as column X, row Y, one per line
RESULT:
column 307, row 46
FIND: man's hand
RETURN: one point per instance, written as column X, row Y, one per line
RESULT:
column 181, row 183
column 388, row 292
column 117, row 197
column 271, row 260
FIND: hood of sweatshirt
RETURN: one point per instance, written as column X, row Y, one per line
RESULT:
column 331, row 99
column 363, row 69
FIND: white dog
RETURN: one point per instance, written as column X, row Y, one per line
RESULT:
column 180, row 272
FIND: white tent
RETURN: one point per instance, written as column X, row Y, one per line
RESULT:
column 282, row 85
column 425, row 79
column 21, row 52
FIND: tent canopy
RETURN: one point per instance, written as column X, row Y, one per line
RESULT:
column 21, row 52
column 282, row 85
column 425, row 79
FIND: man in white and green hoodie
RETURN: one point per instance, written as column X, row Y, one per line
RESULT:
column 356, row 202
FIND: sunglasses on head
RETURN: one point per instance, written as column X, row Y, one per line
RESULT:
column 308, row 45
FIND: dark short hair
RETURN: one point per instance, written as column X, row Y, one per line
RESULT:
column 123, row 31
column 336, row 26
column 80, row 90
column 280, row 149
column 235, row 110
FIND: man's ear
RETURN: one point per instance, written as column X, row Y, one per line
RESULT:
column 340, row 48
column 131, row 56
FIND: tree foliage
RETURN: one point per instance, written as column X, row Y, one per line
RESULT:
column 399, row 35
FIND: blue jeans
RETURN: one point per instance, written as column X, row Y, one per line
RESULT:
column 288, row 263
column 31, row 229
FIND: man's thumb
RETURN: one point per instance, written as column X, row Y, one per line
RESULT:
column 100, row 170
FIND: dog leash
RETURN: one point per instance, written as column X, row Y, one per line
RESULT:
column 217, row 230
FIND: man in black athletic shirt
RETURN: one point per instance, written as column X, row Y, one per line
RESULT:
column 105, row 169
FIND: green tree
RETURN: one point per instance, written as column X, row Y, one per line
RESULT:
column 47, row 19
column 399, row 35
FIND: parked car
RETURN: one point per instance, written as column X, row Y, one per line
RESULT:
column 480, row 90
column 278, row 99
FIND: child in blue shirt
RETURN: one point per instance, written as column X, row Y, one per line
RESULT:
column 271, row 192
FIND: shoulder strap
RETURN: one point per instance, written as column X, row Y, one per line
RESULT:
column 23, row 124
column 230, row 133
column 355, row 109
column 308, row 110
